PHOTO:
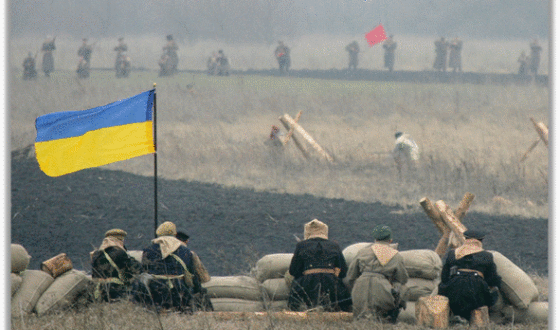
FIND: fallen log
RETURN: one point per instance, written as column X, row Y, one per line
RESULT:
column 291, row 130
column 308, row 137
column 300, row 146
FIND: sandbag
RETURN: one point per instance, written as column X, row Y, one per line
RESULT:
column 276, row 289
column 136, row 254
column 239, row 287
column 236, row 305
column 273, row 266
column 408, row 315
column 62, row 292
column 20, row 258
column 536, row 312
column 351, row 251
column 15, row 281
column 34, row 284
column 418, row 287
column 424, row 264
column 517, row 287
column 276, row 305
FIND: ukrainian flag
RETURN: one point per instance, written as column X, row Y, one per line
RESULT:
column 70, row 141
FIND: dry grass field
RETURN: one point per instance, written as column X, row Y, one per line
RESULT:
column 471, row 138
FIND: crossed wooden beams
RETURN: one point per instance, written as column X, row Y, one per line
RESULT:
column 291, row 125
column 542, row 130
column 442, row 216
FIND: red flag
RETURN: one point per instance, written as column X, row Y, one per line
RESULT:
column 376, row 35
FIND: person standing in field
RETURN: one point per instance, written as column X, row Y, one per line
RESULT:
column 455, row 48
column 405, row 153
column 469, row 276
column 282, row 54
column 440, row 63
column 389, row 59
column 523, row 63
column 318, row 267
column 29, row 71
column 48, row 59
column 85, row 50
column 112, row 268
column 377, row 277
column 170, row 50
column 535, row 56
column 353, row 50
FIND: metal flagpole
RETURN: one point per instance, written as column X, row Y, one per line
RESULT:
column 155, row 163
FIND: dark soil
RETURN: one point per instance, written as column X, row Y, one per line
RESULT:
column 230, row 228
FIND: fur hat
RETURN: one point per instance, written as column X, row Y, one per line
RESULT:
column 315, row 228
column 474, row 233
column 117, row 233
column 382, row 233
column 167, row 228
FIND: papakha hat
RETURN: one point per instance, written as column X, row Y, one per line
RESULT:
column 118, row 233
column 474, row 233
column 382, row 233
column 315, row 228
column 167, row 228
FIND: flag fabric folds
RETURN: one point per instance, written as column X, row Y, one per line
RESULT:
column 376, row 35
column 70, row 141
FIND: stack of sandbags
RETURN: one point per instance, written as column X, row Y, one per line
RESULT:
column 235, row 294
column 20, row 260
column 34, row 284
column 271, row 271
column 424, row 272
column 64, row 292
column 518, row 294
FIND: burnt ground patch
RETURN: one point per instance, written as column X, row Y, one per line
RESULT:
column 230, row 228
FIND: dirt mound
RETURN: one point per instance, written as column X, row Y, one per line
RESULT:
column 230, row 228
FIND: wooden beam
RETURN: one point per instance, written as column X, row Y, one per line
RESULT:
column 464, row 206
column 308, row 137
column 542, row 130
column 451, row 220
column 291, row 130
column 530, row 149
column 300, row 146
column 433, row 214
column 433, row 312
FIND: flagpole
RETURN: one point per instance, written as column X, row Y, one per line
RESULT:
column 155, row 163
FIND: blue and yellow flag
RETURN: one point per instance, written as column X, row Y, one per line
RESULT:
column 70, row 141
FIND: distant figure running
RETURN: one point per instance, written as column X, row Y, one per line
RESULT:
column 406, row 152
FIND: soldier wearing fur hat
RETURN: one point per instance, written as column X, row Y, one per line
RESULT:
column 468, row 274
column 318, row 267
column 377, row 276
column 112, row 268
column 169, row 264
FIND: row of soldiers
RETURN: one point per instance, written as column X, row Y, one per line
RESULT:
column 218, row 63
column 171, row 274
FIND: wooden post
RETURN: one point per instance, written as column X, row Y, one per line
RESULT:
column 300, row 146
column 464, row 206
column 433, row 214
column 480, row 317
column 308, row 137
column 542, row 130
column 433, row 311
column 291, row 130
column 451, row 220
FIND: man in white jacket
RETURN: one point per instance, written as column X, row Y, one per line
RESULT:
column 406, row 152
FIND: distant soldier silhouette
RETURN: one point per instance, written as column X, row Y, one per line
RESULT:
column 535, row 56
column 85, row 50
column 222, row 64
column 282, row 54
column 389, row 59
column 523, row 63
column 440, row 63
column 353, row 49
column 48, row 59
column 455, row 48
column 405, row 153
column 29, row 71
column 169, row 60
column 122, row 62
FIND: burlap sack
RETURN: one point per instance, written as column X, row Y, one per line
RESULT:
column 15, row 282
column 273, row 266
column 239, row 287
column 418, row 287
column 276, row 305
column 20, row 258
column 536, row 312
column 34, row 284
column 276, row 289
column 408, row 315
column 351, row 251
column 63, row 292
column 236, row 305
column 517, row 287
column 424, row 264
column 136, row 254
